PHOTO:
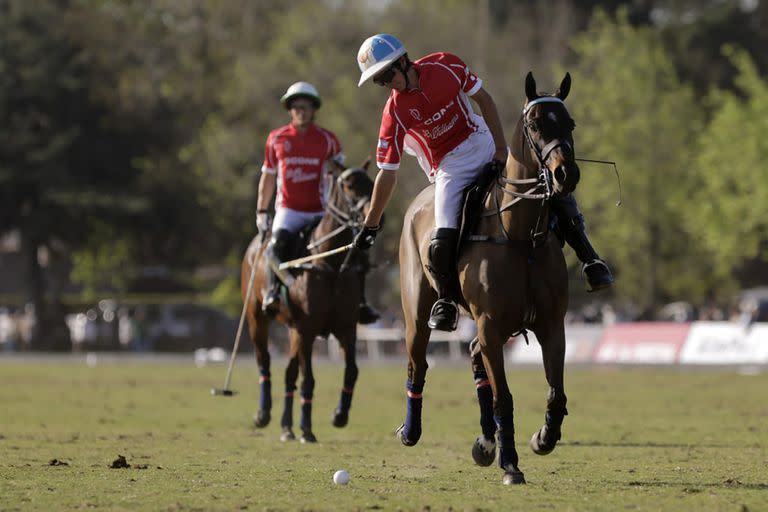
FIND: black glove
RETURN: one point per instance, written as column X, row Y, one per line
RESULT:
column 365, row 238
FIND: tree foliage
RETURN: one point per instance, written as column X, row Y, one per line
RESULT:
column 631, row 107
column 726, row 205
column 132, row 132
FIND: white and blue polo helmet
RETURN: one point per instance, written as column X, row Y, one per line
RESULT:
column 376, row 53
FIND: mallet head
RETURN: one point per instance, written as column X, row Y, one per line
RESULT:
column 223, row 392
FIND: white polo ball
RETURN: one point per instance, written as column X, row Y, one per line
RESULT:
column 341, row 477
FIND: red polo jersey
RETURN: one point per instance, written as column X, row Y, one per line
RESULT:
column 299, row 161
column 432, row 120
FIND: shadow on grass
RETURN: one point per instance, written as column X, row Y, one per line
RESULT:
column 648, row 444
column 731, row 483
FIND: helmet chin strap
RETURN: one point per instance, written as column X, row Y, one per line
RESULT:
column 404, row 70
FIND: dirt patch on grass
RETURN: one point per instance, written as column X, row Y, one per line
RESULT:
column 119, row 462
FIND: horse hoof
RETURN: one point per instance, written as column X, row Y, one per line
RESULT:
column 513, row 477
column 538, row 447
column 484, row 451
column 340, row 419
column 399, row 434
column 287, row 435
column 308, row 438
column 261, row 419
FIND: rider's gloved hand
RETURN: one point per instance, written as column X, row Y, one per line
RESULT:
column 365, row 238
column 263, row 220
column 499, row 161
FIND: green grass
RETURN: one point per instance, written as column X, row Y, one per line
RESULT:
column 636, row 439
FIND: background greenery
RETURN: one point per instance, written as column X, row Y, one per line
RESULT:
column 131, row 132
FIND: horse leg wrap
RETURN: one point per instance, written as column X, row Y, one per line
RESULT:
column 306, row 413
column 345, row 400
column 350, row 377
column 485, row 399
column 287, row 420
column 556, row 412
column 265, row 397
column 506, row 434
column 412, row 428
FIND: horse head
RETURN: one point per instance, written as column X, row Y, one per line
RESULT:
column 548, row 130
column 353, row 188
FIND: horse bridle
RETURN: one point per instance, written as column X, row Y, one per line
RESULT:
column 544, row 178
column 352, row 217
column 542, row 154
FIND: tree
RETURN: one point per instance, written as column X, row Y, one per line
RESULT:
column 726, row 212
column 631, row 107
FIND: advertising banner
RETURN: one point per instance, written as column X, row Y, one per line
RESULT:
column 641, row 343
column 723, row 343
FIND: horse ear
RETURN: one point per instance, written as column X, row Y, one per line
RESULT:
column 530, row 87
column 565, row 87
column 367, row 163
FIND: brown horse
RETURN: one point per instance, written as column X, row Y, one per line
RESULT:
column 513, row 277
column 323, row 299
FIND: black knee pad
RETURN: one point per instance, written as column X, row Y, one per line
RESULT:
column 442, row 249
column 281, row 243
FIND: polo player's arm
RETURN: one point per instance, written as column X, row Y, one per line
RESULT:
column 491, row 115
column 267, row 186
column 383, row 188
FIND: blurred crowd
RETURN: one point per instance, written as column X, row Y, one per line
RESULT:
column 108, row 325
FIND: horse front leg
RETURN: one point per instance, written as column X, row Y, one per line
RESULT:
column 291, row 376
column 552, row 343
column 492, row 350
column 258, row 329
column 484, row 447
column 348, row 342
column 307, row 388
column 416, row 311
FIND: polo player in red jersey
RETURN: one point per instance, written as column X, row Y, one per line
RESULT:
column 297, row 157
column 428, row 115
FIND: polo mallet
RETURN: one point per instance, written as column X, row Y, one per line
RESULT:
column 225, row 391
column 300, row 261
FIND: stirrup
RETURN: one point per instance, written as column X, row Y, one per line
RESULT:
column 444, row 316
column 598, row 275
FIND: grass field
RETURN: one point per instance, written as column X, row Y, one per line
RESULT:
column 636, row 439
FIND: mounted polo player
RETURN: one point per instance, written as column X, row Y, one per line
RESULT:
column 294, row 160
column 319, row 207
column 428, row 114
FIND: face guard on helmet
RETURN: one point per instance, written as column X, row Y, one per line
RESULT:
column 301, row 90
column 376, row 53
